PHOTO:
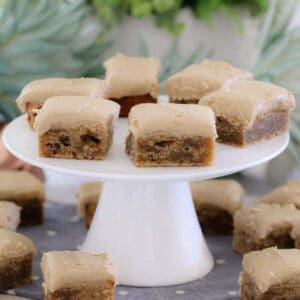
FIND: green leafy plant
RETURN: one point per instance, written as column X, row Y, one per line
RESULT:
column 166, row 11
column 45, row 39
column 277, row 59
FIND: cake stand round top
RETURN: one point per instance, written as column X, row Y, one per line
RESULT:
column 23, row 143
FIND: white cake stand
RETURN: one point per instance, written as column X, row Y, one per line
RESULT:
column 145, row 219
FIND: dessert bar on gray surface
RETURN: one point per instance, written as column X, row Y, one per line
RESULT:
column 62, row 230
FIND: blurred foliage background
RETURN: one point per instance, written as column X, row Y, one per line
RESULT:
column 70, row 38
column 166, row 11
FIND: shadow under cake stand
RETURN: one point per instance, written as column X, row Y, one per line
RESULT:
column 145, row 218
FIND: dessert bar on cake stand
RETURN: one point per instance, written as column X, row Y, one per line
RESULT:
column 145, row 219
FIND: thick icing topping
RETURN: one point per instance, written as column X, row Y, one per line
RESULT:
column 198, row 80
column 63, row 269
column 242, row 101
column 273, row 266
column 39, row 91
column 69, row 111
column 261, row 219
column 172, row 119
column 88, row 192
column 15, row 184
column 285, row 194
column 131, row 76
column 226, row 194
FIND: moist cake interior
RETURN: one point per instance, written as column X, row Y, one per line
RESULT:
column 155, row 151
column 82, row 142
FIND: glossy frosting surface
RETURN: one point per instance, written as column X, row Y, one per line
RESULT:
column 198, row 80
column 131, row 76
column 172, row 119
column 69, row 111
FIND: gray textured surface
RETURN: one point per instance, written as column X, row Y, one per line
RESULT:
column 221, row 283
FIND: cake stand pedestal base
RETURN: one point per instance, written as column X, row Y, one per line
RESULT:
column 151, row 231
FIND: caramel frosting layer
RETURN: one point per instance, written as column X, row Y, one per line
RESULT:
column 285, row 194
column 14, row 245
column 226, row 194
column 9, row 215
column 271, row 266
column 69, row 111
column 172, row 119
column 18, row 185
column 88, row 192
column 261, row 219
column 198, row 80
column 63, row 269
column 131, row 76
column 242, row 101
column 38, row 91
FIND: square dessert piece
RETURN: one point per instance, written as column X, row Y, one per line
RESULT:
column 171, row 135
column 26, row 191
column 77, row 275
column 264, row 226
column 88, row 194
column 131, row 80
column 76, row 127
column 288, row 193
column 271, row 274
column 35, row 93
column 215, row 202
column 198, row 80
column 16, row 256
column 9, row 215
column 248, row 112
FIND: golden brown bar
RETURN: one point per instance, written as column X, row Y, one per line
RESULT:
column 16, row 257
column 76, row 127
column 264, row 226
column 77, row 275
column 35, row 93
column 169, row 135
column 271, row 274
column 248, row 112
